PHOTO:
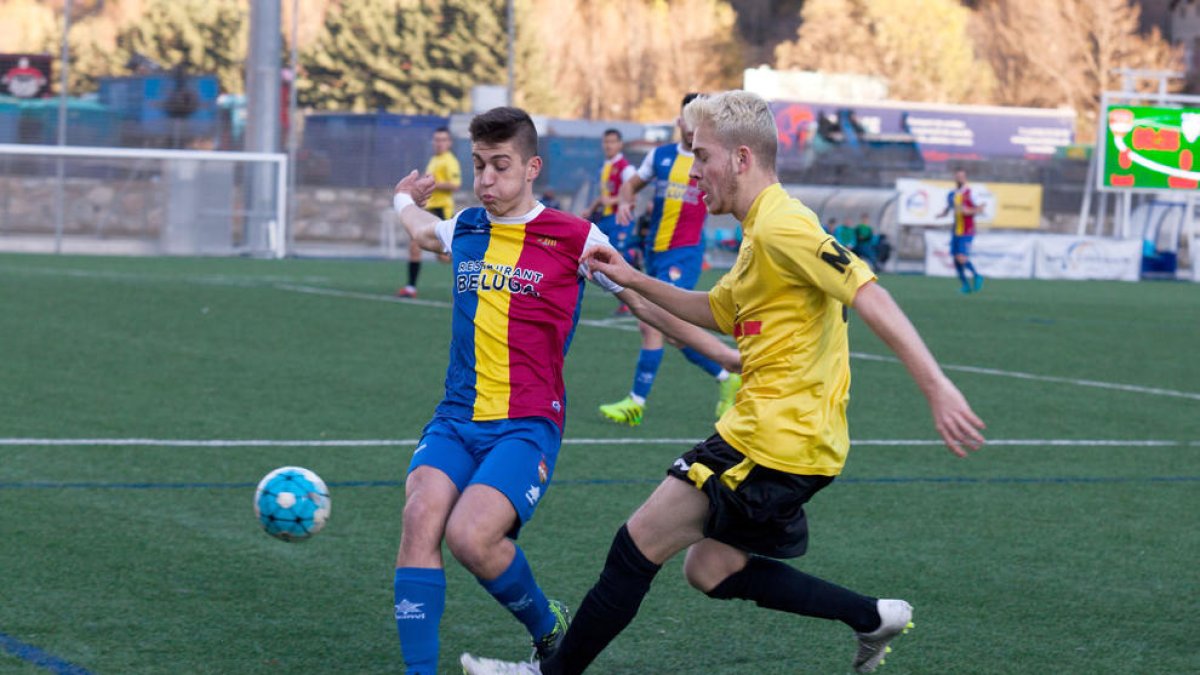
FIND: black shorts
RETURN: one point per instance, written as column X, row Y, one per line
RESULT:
column 440, row 212
column 750, row 507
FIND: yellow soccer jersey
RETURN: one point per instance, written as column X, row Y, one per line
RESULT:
column 445, row 169
column 785, row 302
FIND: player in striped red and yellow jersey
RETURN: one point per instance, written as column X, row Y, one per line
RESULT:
column 485, row 460
column 674, row 251
column 615, row 172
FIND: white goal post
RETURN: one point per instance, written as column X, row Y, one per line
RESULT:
column 176, row 202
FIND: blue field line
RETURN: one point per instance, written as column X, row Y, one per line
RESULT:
column 39, row 658
column 895, row 480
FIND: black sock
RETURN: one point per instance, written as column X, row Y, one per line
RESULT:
column 776, row 585
column 608, row 607
column 414, row 268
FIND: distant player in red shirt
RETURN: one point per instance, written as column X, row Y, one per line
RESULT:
column 960, row 201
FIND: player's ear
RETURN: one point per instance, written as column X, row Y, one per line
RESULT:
column 533, row 169
column 744, row 158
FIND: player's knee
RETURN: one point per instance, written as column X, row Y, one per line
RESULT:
column 421, row 538
column 699, row 575
column 470, row 545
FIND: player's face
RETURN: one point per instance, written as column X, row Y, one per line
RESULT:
column 960, row 177
column 714, row 170
column 686, row 133
column 503, row 181
column 441, row 142
column 611, row 145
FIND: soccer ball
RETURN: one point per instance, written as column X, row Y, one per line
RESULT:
column 292, row 503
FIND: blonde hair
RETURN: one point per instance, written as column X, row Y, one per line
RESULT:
column 738, row 118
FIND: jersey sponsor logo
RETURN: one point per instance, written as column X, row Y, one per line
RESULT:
column 838, row 258
column 688, row 194
column 407, row 610
column 682, row 465
column 476, row 275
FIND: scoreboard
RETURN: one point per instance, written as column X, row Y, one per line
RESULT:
column 1151, row 148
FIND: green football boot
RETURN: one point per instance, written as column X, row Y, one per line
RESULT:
column 729, row 390
column 547, row 645
column 625, row 411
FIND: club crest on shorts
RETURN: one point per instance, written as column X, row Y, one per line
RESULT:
column 674, row 273
column 543, row 470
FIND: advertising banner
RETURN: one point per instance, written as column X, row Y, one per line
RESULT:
column 1068, row 257
column 25, row 75
column 943, row 132
column 1149, row 148
column 1195, row 249
column 1005, row 205
column 994, row 255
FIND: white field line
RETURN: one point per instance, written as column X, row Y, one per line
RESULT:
column 623, row 324
column 1137, row 389
column 406, row 442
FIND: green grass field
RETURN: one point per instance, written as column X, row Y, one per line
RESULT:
column 1068, row 545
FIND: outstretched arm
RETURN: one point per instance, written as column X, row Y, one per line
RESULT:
column 411, row 194
column 957, row 424
column 681, row 331
column 690, row 306
column 627, row 199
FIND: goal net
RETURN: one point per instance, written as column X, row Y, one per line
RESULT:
column 142, row 201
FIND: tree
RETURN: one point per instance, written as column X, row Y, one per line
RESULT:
column 204, row 36
column 40, row 27
column 1064, row 53
column 634, row 59
column 413, row 57
column 920, row 46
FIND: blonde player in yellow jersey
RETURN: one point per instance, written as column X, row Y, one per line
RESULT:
column 735, row 501
column 447, row 178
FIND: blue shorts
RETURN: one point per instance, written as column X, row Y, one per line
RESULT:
column 620, row 236
column 961, row 245
column 516, row 457
column 679, row 267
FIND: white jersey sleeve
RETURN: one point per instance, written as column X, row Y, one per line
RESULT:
column 445, row 231
column 646, row 170
column 595, row 238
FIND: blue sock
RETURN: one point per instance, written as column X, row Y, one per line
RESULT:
column 520, row 594
column 970, row 267
column 962, row 273
column 647, row 368
column 706, row 364
column 420, row 595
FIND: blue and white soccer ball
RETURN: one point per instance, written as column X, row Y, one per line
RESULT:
column 292, row 503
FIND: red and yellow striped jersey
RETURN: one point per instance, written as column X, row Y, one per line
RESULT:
column 517, row 292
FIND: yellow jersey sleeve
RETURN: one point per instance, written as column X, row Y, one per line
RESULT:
column 720, row 300
column 804, row 254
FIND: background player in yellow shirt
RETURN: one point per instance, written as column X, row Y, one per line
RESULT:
column 447, row 178
column 735, row 501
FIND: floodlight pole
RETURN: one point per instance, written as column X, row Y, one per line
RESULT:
column 59, row 189
column 512, row 51
column 293, row 140
column 262, row 121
